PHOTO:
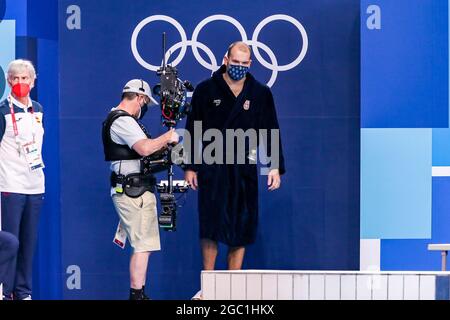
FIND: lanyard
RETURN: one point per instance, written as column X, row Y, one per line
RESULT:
column 13, row 118
column 14, row 123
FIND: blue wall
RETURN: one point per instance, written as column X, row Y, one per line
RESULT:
column 405, row 83
column 405, row 130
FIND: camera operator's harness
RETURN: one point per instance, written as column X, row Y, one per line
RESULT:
column 135, row 184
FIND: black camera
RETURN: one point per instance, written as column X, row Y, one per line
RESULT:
column 172, row 92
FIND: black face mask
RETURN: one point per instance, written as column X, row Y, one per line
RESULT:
column 144, row 109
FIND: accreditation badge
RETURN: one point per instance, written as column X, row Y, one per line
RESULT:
column 33, row 156
column 121, row 237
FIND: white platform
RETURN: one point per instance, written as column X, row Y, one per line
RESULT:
column 320, row 285
column 439, row 247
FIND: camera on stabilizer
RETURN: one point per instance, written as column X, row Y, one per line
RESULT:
column 172, row 93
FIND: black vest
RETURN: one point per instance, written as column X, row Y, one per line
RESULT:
column 114, row 151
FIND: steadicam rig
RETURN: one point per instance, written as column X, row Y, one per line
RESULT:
column 172, row 93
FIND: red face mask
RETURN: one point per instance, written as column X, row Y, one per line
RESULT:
column 21, row 90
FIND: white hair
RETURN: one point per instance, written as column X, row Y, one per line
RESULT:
column 19, row 65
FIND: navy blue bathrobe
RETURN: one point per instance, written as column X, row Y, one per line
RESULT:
column 228, row 193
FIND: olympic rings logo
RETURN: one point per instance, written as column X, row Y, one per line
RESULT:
column 212, row 65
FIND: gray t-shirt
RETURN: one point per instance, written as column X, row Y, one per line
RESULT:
column 125, row 130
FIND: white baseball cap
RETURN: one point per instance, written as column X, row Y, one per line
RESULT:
column 141, row 87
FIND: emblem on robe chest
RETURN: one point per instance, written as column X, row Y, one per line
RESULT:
column 246, row 105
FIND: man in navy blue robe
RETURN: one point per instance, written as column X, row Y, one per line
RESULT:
column 228, row 193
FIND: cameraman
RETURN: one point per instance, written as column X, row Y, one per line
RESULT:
column 125, row 143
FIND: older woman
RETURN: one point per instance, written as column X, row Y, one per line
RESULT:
column 21, row 175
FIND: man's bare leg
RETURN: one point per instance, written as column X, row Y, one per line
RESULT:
column 209, row 253
column 138, row 269
column 235, row 258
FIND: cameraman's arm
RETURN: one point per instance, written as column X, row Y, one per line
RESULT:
column 146, row 147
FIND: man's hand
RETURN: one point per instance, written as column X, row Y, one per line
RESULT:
column 171, row 137
column 191, row 178
column 274, row 179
